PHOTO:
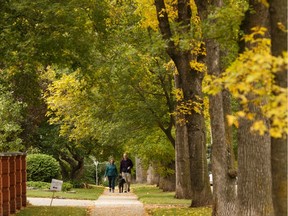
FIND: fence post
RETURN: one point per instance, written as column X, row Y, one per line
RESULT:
column 5, row 184
column 18, row 182
column 24, row 176
column 12, row 182
column 12, row 188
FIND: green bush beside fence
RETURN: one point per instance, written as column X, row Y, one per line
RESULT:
column 41, row 167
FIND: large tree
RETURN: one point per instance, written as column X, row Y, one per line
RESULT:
column 35, row 35
column 278, row 19
column 219, row 55
column 189, row 87
column 128, row 93
column 10, row 117
column 254, row 164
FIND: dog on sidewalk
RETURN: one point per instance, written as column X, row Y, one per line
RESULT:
column 121, row 182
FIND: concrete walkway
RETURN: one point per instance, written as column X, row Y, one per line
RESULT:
column 108, row 204
column 118, row 204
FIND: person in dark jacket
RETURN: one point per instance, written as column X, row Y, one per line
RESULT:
column 111, row 172
column 125, row 168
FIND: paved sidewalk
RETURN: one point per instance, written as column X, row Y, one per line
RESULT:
column 108, row 204
column 118, row 204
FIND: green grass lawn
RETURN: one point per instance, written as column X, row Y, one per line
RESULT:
column 80, row 193
column 150, row 194
column 53, row 211
column 159, row 203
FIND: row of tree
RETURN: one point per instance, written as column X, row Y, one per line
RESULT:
column 99, row 77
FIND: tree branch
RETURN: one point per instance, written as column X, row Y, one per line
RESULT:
column 164, row 26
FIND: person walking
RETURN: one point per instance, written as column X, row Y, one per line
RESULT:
column 111, row 172
column 125, row 168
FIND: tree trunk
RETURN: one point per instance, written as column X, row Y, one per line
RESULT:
column 141, row 173
column 278, row 14
column 279, row 175
column 224, row 192
column 226, row 96
column 182, row 163
column 64, row 171
column 192, row 88
column 76, row 164
column 182, row 159
column 254, row 171
column 77, row 170
column 167, row 183
column 254, row 150
column 190, row 83
column 224, row 173
column 152, row 176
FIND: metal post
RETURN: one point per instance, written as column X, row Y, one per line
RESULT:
column 96, row 164
column 96, row 167
column 52, row 198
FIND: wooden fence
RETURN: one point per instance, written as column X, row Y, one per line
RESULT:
column 12, row 183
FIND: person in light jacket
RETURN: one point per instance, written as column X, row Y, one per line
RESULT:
column 111, row 172
column 125, row 168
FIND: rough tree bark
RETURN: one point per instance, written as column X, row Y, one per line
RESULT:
column 190, row 82
column 182, row 159
column 278, row 14
column 254, row 171
column 201, row 191
column 182, row 163
column 226, row 96
column 224, row 174
column 254, row 150
column 224, row 192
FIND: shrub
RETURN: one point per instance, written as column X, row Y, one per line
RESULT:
column 67, row 186
column 38, row 185
column 41, row 167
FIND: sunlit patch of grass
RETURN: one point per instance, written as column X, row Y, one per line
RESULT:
column 53, row 211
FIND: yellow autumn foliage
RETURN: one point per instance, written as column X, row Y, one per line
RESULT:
column 147, row 10
column 68, row 106
column 252, row 73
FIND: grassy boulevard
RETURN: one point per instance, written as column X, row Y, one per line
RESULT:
column 159, row 203
column 155, row 200
column 76, row 193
